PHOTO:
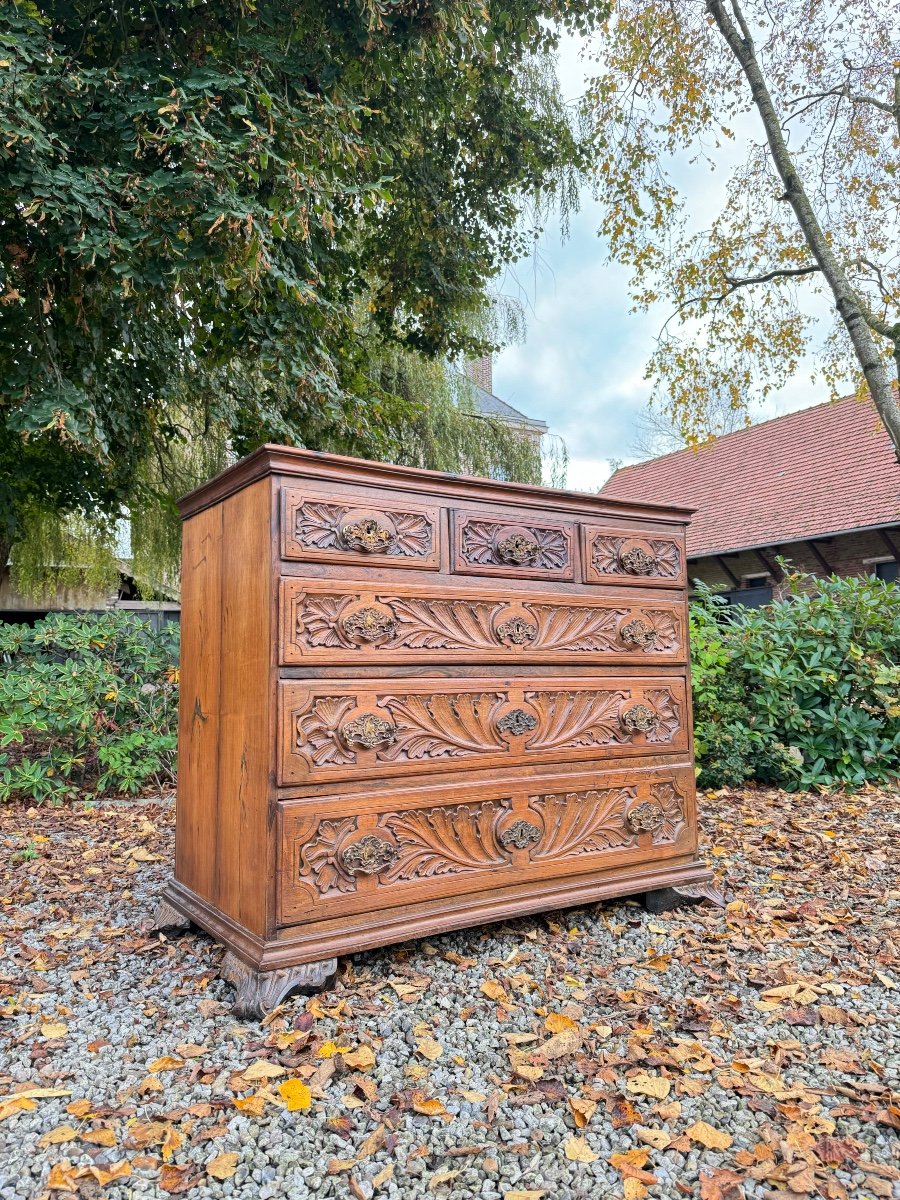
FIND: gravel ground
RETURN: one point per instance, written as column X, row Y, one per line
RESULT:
column 598, row 1052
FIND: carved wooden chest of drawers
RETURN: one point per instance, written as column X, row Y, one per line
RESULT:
column 412, row 702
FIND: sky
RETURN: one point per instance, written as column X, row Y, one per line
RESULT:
column 581, row 365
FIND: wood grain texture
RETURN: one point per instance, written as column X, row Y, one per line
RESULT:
column 413, row 702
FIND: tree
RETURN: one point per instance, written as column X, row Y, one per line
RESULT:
column 810, row 208
column 221, row 219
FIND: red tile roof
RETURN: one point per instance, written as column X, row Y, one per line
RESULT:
column 821, row 471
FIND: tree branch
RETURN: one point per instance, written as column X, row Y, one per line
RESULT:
column 780, row 273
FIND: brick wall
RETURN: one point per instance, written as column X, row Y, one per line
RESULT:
column 845, row 555
column 481, row 371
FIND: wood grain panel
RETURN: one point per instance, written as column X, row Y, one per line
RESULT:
column 368, row 623
column 372, row 530
column 348, row 852
column 338, row 729
column 635, row 558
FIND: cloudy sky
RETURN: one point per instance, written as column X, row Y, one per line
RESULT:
column 582, row 363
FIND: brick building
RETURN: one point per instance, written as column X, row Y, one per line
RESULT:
column 820, row 487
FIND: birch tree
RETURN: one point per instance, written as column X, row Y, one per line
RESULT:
column 805, row 95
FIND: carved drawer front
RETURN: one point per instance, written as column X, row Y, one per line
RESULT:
column 336, row 529
column 416, row 843
column 622, row 556
column 518, row 546
column 324, row 621
column 335, row 729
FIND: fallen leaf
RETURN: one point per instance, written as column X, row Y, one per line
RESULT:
column 296, row 1094
column 657, row 1138
column 721, row 1184
column 54, row 1029
column 223, row 1166
column 178, row 1179
column 262, row 1069
column 362, row 1059
column 495, row 991
column 166, row 1063
column 526, row 1194
column 559, row 1023
column 62, row 1177
column 429, row 1048
column 441, row 1177
column 55, row 1137
column 384, row 1175
column 255, row 1105
column 577, row 1150
column 10, row 1105
column 109, row 1172
column 429, row 1106
column 101, row 1136
column 709, row 1136
column 561, row 1044
column 582, row 1110
column 650, row 1085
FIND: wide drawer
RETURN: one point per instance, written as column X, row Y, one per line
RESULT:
column 359, row 852
column 631, row 557
column 336, row 729
column 335, row 529
column 327, row 622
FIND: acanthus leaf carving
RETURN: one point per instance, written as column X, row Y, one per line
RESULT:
column 444, row 841
column 318, row 739
column 490, row 543
column 444, row 624
column 320, row 865
column 575, row 719
column 666, row 709
column 582, row 822
column 580, row 629
column 318, row 619
column 612, row 555
column 443, row 726
column 322, row 526
column 671, row 806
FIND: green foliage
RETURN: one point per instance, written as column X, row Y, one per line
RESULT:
column 199, row 200
column 88, row 705
column 804, row 692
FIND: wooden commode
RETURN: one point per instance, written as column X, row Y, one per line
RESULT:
column 413, row 702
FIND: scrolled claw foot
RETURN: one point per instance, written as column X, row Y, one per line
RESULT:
column 663, row 899
column 260, row 991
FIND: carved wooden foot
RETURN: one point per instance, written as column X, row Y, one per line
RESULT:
column 167, row 917
column 260, row 991
column 687, row 893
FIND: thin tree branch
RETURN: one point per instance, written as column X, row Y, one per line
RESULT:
column 780, row 273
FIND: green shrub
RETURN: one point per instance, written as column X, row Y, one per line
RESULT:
column 88, row 706
column 804, row 692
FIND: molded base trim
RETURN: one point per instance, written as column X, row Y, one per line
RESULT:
column 260, row 991
column 662, row 899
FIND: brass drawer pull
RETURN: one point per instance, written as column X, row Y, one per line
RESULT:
column 640, row 719
column 369, row 731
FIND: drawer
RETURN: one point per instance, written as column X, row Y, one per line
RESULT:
column 328, row 622
column 338, row 729
column 323, row 528
column 517, row 546
column 358, row 852
column 624, row 556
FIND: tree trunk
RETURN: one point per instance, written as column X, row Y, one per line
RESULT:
column 874, row 369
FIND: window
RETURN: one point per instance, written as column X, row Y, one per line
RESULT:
column 886, row 571
column 755, row 581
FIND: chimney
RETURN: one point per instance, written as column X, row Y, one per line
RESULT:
column 481, row 372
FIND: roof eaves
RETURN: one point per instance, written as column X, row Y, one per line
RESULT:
column 794, row 541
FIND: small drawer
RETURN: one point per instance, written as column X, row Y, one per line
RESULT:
column 357, row 622
column 518, row 546
column 332, row 529
column 360, row 852
column 339, row 729
column 633, row 558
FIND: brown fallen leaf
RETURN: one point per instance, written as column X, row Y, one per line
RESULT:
column 582, row 1110
column 659, row 1139
column 560, row 1023
column 223, row 1166
column 55, row 1137
column 656, row 1086
column 429, row 1106
column 721, row 1184
column 178, row 1179
column 384, row 1175
column 255, row 1104
column 526, row 1194
column 361, row 1059
column 101, row 1136
column 62, row 1177
column 441, row 1177
column 166, row 1063
column 495, row 991
column 569, row 1041
column 10, row 1105
column 108, row 1173
column 429, row 1048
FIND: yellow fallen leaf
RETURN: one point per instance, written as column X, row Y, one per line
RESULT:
column 223, row 1166
column 151, row 1083
column 708, row 1136
column 577, row 1150
column 54, row 1029
column 142, row 855
column 474, row 1097
column 384, row 1175
column 191, row 1049
column 361, row 1059
column 633, row 1189
column 495, row 991
column 558, row 1022
column 172, row 1141
column 526, row 1194
column 166, row 1063
column 102, row 1136
column 329, row 1049
column 40, row 1094
column 582, row 1110
column 10, row 1105
column 429, row 1048
column 650, row 1085
column 62, row 1177
column 296, row 1093
column 55, row 1137
column 262, row 1069
column 657, row 1138
column 429, row 1106
column 254, row 1105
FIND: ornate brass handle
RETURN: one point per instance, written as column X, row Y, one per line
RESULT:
column 369, row 731
column 369, row 624
column 517, row 721
column 518, row 549
column 520, row 835
column 640, row 719
column 369, row 855
column 645, row 817
column 517, row 630
column 367, row 535
column 639, row 633
column 636, row 561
